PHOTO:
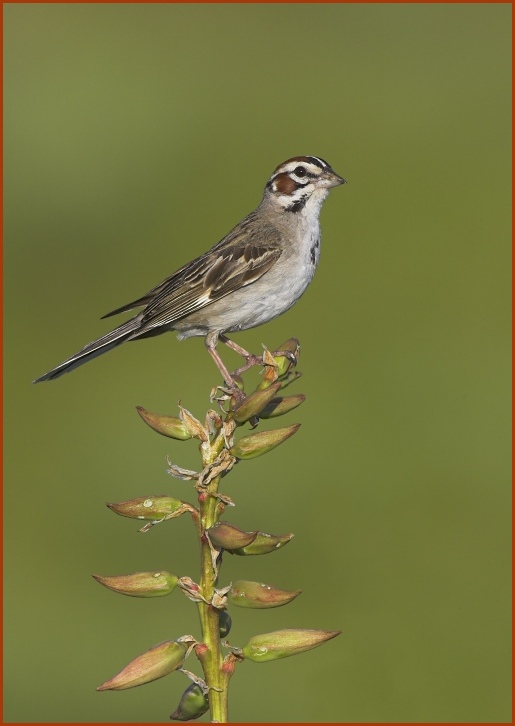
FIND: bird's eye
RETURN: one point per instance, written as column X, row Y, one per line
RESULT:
column 300, row 171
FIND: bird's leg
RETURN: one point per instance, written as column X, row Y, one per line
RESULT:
column 211, row 348
column 234, row 346
column 211, row 341
column 251, row 360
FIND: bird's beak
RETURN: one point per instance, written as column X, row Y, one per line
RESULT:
column 332, row 179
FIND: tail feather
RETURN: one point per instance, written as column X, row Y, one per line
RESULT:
column 92, row 350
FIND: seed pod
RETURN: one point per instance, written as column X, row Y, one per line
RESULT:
column 279, row 406
column 224, row 623
column 254, row 445
column 229, row 537
column 247, row 594
column 193, row 704
column 140, row 584
column 264, row 543
column 170, row 426
column 253, row 404
column 283, row 643
column 155, row 663
column 153, row 508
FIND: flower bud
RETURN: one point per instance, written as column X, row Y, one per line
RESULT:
column 193, row 704
column 284, row 363
column 283, row 643
column 264, row 543
column 224, row 623
column 248, row 447
column 253, row 404
column 151, row 665
column 279, row 406
column 247, row 594
column 191, row 589
column 229, row 537
column 140, row 584
column 170, row 426
column 153, row 508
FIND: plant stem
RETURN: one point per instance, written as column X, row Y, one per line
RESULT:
column 211, row 656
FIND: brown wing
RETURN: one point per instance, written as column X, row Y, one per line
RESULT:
column 209, row 278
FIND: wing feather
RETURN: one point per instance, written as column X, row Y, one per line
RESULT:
column 208, row 279
column 241, row 258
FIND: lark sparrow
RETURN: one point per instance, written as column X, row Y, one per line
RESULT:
column 258, row 271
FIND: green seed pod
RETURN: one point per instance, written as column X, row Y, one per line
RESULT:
column 253, row 404
column 264, row 543
column 224, row 623
column 140, row 584
column 254, row 445
column 193, row 704
column 284, row 363
column 155, row 663
column 247, row 594
column 283, row 643
column 153, row 508
column 280, row 406
column 229, row 537
column 170, row 426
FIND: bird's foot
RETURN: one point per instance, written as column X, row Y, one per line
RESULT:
column 267, row 359
column 250, row 360
column 227, row 392
column 292, row 357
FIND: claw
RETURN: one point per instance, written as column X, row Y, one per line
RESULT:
column 286, row 354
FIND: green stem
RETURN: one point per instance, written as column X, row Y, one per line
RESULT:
column 211, row 656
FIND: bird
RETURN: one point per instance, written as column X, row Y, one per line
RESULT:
column 254, row 274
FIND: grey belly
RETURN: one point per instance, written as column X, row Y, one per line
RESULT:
column 246, row 308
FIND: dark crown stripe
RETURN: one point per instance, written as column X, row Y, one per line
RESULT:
column 317, row 161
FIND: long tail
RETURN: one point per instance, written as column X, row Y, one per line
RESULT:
column 91, row 350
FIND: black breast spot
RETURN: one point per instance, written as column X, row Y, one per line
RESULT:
column 314, row 252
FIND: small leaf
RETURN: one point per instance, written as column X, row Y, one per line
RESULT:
column 283, row 643
column 140, row 584
column 179, row 473
column 170, row 426
column 229, row 537
column 264, row 543
column 193, row 425
column 155, row 663
column 253, row 404
column 254, row 445
column 247, row 594
column 280, row 406
column 193, row 704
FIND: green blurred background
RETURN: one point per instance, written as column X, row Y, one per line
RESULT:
column 136, row 136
